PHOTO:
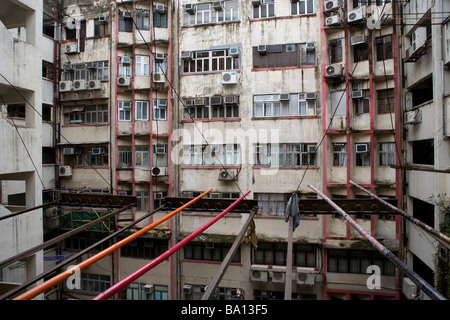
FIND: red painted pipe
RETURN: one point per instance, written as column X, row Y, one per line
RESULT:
column 141, row 271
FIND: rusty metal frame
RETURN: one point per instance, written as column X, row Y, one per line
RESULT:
column 96, row 200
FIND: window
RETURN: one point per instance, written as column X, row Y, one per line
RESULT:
column 142, row 65
column 141, row 110
column 288, row 55
column 339, row 154
column 360, row 52
column 124, row 156
column 142, row 201
column 92, row 114
column 159, row 198
column 196, row 109
column 159, row 109
column 359, row 3
column 211, row 61
column 94, row 282
column 210, row 251
column 335, row 49
column 160, row 155
column 101, row 28
column 93, row 156
column 385, row 101
column 85, row 239
column 423, row 152
column 142, row 156
column 124, row 110
column 16, row 110
column 160, row 67
column 100, row 72
column 125, row 67
column 71, row 34
column 265, row 10
column 283, row 106
column 226, row 154
column 144, row 248
column 302, row 7
column 225, row 111
column 211, row 108
column 143, row 19
column 306, row 107
column 384, row 47
column 362, row 154
column 159, row 17
column 275, row 254
column 80, row 71
column 383, row 2
column 272, row 204
column 289, row 154
column 205, row 14
column 387, row 154
column 362, row 105
column 357, row 261
column 125, row 21
column 48, row 70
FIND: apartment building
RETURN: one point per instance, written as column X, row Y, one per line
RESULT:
column 426, row 53
column 26, row 99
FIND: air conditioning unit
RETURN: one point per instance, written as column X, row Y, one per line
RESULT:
column 159, row 56
column 79, row 85
column 418, row 39
column 446, row 44
column 186, row 55
column 333, row 20
column 161, row 103
column 310, row 96
column 71, row 48
column 160, row 8
column 68, row 151
column 160, row 149
column 305, row 276
column 229, row 77
column 149, row 288
column 234, row 51
column 227, row 175
column 357, row 94
column 414, row 116
column 159, row 78
column 409, row 288
column 189, row 8
column 312, row 148
column 199, row 101
column 256, row 2
column 334, row 70
column 291, row 48
column 125, row 60
column 216, row 101
column 284, row 97
column 217, row 5
column 94, row 84
column 158, row 195
column 278, row 274
column 259, row 273
column 231, row 100
column 159, row 171
column 65, row 86
column 262, row 49
column 310, row 47
column 51, row 212
column 123, row 81
column 103, row 19
column 359, row 39
column 361, row 147
column 65, row 171
column 97, row 151
column 91, row 65
column 356, row 15
column 68, row 67
column 330, row 5
column 187, row 289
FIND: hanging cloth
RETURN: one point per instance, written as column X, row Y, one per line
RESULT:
column 293, row 210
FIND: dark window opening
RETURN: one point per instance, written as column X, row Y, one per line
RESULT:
column 48, row 155
column 422, row 92
column 423, row 152
column 423, row 211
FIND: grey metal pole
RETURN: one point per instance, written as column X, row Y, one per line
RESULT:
column 422, row 284
column 439, row 235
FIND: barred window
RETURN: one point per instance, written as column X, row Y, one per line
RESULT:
column 210, row 251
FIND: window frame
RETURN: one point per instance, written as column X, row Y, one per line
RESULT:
column 141, row 110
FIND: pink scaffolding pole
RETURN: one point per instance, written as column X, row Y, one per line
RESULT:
column 141, row 271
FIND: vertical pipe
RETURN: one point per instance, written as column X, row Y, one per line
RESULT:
column 63, row 276
column 429, row 290
column 141, row 271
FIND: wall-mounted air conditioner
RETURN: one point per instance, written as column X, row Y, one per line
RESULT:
column 161, row 103
column 284, row 97
column 234, row 51
column 199, row 101
column 186, row 55
column 413, row 116
column 160, row 8
column 262, row 49
column 97, row 151
column 330, row 5
column 160, row 149
column 310, row 46
column 357, row 94
column 216, row 101
column 65, row 171
column 310, row 96
column 71, row 48
column 159, row 78
column 79, row 85
column 305, row 276
column 68, row 151
column 65, row 86
column 256, row 2
column 149, row 288
column 418, row 39
column 159, row 171
column 334, row 70
column 103, row 19
column 227, row 175
column 187, row 289
column 217, row 5
column 125, row 60
column 123, row 81
column 361, row 148
column 94, row 85
column 356, row 15
column 446, row 44
column 333, row 20
column 91, row 65
column 278, row 274
column 68, row 67
column 259, row 273
column 159, row 56
column 189, row 8
column 229, row 77
column 359, row 39
column 231, row 100
column 409, row 288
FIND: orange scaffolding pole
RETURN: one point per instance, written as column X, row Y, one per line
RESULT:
column 30, row 294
